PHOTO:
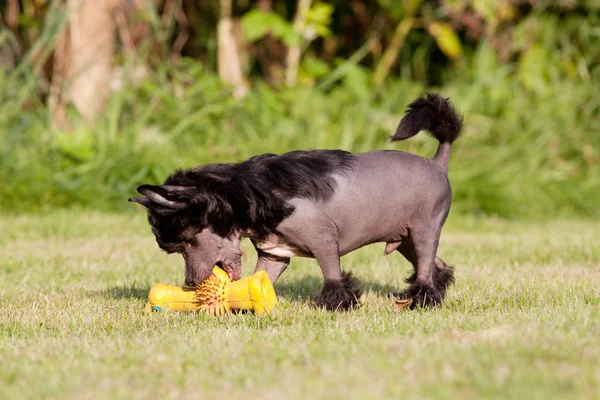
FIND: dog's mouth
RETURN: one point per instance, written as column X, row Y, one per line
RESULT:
column 233, row 273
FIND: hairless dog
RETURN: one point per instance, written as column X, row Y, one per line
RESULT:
column 320, row 204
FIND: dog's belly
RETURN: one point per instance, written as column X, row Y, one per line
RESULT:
column 279, row 249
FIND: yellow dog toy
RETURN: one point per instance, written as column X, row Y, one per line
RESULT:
column 217, row 295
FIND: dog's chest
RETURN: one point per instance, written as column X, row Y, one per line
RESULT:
column 276, row 247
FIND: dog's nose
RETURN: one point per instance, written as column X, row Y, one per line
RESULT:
column 190, row 282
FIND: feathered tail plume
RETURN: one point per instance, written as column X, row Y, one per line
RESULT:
column 436, row 115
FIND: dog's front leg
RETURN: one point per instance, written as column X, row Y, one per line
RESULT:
column 273, row 265
column 341, row 291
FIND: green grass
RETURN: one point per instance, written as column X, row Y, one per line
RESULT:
column 523, row 320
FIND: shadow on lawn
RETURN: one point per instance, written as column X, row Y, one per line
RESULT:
column 296, row 290
column 123, row 292
column 308, row 287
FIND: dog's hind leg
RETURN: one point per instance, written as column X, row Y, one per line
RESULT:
column 407, row 249
column 428, row 283
column 443, row 274
column 341, row 291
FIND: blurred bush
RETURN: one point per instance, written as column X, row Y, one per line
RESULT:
column 522, row 154
column 524, row 73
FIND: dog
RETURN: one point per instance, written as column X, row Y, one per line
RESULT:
column 321, row 204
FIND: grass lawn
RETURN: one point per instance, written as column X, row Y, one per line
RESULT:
column 522, row 321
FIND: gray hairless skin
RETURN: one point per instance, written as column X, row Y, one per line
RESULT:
column 394, row 197
column 387, row 214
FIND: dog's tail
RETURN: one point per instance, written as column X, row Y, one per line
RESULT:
column 436, row 115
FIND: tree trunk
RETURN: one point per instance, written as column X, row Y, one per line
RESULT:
column 92, row 40
column 83, row 56
column 230, row 69
column 294, row 52
column 83, row 60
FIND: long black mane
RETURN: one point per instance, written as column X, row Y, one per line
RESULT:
column 253, row 194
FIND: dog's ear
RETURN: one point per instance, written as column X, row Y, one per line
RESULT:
column 165, row 196
column 141, row 200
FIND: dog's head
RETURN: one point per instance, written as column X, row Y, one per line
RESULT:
column 202, row 212
column 196, row 223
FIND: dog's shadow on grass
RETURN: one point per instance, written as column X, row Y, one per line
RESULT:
column 307, row 288
column 295, row 290
column 123, row 292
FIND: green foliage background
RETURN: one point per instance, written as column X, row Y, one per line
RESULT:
column 527, row 85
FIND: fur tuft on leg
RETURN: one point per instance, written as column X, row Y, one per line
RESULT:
column 422, row 295
column 340, row 295
column 443, row 278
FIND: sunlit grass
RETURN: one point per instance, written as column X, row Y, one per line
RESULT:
column 522, row 321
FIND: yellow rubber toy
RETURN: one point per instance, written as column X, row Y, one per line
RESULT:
column 217, row 295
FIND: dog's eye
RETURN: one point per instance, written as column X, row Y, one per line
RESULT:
column 191, row 241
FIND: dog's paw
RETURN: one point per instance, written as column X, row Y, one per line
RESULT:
column 422, row 295
column 340, row 295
